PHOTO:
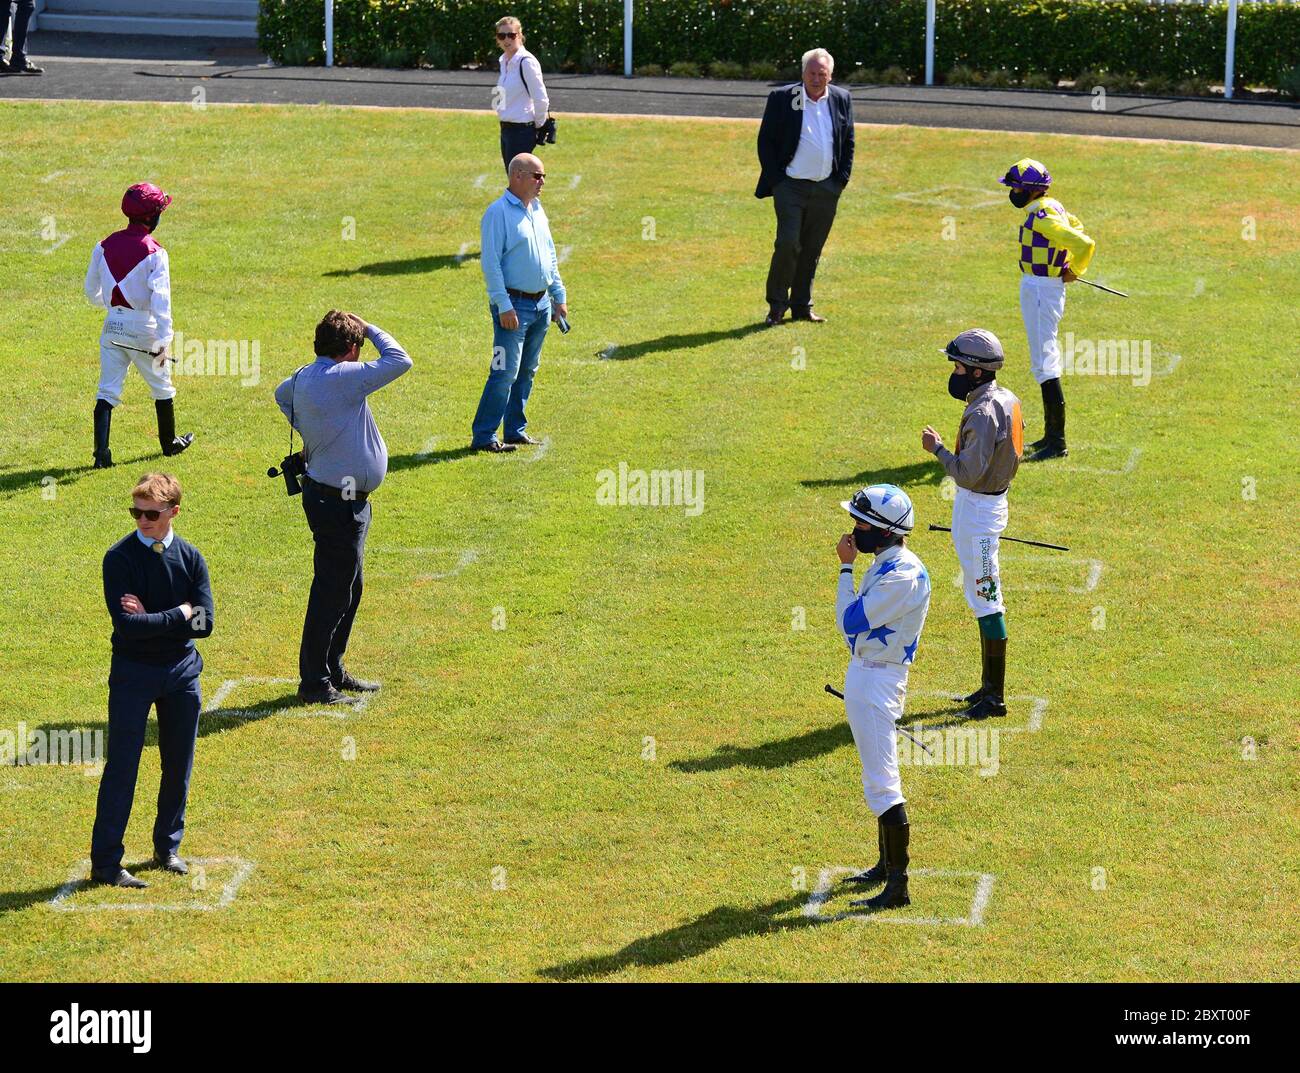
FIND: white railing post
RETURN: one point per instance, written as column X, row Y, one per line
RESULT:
column 329, row 33
column 1232, row 48
column 627, row 38
column 929, row 42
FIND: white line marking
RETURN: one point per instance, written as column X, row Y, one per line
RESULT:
column 542, row 448
column 466, row 557
column 53, row 175
column 974, row 918
column 332, row 711
column 80, row 877
column 1032, row 726
column 951, row 197
column 1130, row 464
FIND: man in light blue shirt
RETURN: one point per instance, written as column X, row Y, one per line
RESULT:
column 346, row 461
column 523, row 281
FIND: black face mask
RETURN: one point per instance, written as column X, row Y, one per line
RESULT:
column 1020, row 198
column 960, row 385
column 870, row 541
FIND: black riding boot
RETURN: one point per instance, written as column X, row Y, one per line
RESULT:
column 877, row 872
column 895, row 893
column 1053, row 443
column 171, row 443
column 103, row 423
column 995, row 676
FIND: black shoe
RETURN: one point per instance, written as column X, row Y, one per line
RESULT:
column 775, row 315
column 494, row 447
column 1051, row 449
column 26, row 68
column 178, row 444
column 103, row 460
column 170, row 862
column 117, row 877
column 894, row 896
column 328, row 695
column 971, row 698
column 988, row 705
column 806, row 314
column 356, row 685
column 1037, row 445
column 524, row 441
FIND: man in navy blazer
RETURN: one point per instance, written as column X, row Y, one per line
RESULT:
column 805, row 149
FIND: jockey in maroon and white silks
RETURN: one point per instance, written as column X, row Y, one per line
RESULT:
column 129, row 276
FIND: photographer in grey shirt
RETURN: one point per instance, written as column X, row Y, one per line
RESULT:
column 346, row 460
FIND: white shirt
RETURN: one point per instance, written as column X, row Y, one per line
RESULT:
column 521, row 95
column 816, row 153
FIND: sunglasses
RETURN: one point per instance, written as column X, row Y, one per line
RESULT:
column 540, row 176
column 501, row 35
column 150, row 515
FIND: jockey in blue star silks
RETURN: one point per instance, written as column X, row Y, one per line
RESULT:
column 881, row 622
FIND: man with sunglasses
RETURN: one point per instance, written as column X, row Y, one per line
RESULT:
column 347, row 459
column 522, row 274
column 160, row 601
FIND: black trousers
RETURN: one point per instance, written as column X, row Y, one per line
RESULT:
column 516, row 139
column 339, row 528
column 805, row 211
column 134, row 688
column 21, row 10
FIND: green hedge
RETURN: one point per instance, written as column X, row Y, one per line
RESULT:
column 1055, row 37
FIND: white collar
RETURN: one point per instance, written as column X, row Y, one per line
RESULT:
column 148, row 541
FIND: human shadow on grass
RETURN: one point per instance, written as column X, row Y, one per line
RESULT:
column 792, row 750
column 410, row 266
column 913, row 473
column 689, row 940
column 12, row 901
column 14, row 481
column 429, row 458
column 688, row 341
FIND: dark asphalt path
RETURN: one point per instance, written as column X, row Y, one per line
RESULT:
column 238, row 76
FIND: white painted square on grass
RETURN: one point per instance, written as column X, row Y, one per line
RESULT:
column 1123, row 459
column 214, row 896
column 982, row 891
column 1033, row 724
column 318, row 711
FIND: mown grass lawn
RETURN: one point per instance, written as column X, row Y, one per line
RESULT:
column 631, row 779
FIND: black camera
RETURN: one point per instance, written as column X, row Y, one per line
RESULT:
column 291, row 468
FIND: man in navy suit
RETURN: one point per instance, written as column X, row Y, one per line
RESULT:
column 805, row 149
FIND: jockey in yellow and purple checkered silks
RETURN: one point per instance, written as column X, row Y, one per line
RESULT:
column 1050, row 238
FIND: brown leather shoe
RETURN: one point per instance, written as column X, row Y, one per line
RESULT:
column 806, row 314
column 494, row 447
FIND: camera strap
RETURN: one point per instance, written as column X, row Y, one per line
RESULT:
column 293, row 385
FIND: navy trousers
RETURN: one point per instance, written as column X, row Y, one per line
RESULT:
column 21, row 12
column 133, row 688
column 517, row 138
column 339, row 528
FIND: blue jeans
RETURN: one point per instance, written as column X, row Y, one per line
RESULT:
column 134, row 688
column 515, row 356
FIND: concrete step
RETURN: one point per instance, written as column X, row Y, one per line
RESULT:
column 179, row 26
column 212, row 9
